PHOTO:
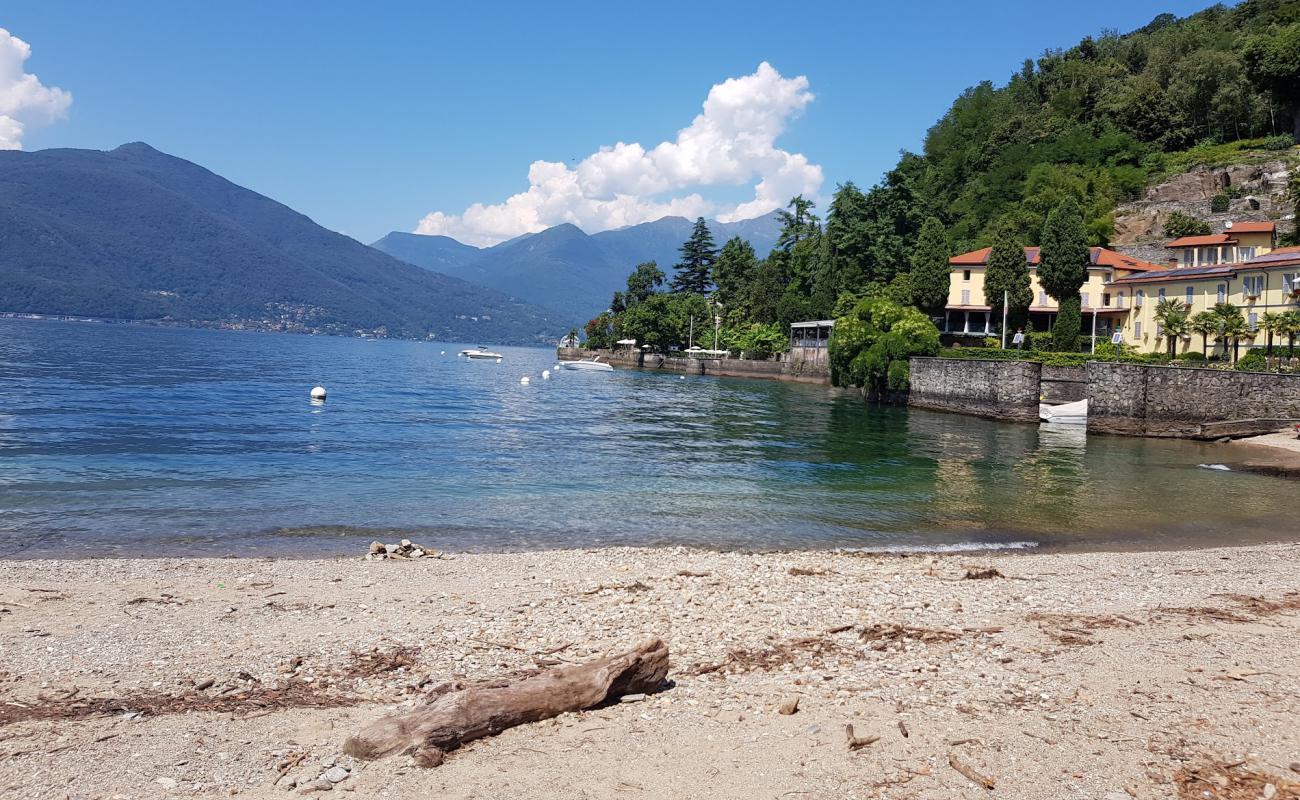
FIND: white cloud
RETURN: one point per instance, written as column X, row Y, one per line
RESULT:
column 24, row 101
column 732, row 142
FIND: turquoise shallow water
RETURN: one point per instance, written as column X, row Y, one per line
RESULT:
column 129, row 440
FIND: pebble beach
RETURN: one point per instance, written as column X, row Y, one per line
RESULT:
column 1025, row 675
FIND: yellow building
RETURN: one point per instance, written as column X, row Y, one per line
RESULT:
column 1241, row 266
column 968, row 311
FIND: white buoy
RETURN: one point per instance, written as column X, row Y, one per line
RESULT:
column 318, row 393
column 442, row 352
column 524, row 380
column 546, row 374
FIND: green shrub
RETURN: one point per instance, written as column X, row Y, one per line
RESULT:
column 1283, row 142
column 1178, row 225
column 992, row 341
column 866, row 343
column 900, row 376
column 1038, row 341
column 1253, row 361
column 1193, row 355
column 1219, row 203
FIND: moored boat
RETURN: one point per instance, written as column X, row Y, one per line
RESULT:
column 481, row 352
column 1064, row 414
column 587, row 365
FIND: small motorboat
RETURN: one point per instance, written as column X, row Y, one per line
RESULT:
column 587, row 365
column 1075, row 413
column 481, row 352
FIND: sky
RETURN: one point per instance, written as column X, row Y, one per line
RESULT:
column 485, row 120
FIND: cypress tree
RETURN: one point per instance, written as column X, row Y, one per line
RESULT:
column 1063, row 269
column 694, row 271
column 1008, row 272
column 930, row 270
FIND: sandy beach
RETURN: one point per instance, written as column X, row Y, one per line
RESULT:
column 1091, row 675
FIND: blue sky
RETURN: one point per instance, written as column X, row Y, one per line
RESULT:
column 368, row 117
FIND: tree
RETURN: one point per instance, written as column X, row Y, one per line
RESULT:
column 1232, row 327
column 1172, row 315
column 1206, row 324
column 644, row 281
column 694, row 271
column 1290, row 328
column 1178, row 225
column 1272, row 323
column 1007, row 278
column 930, row 269
column 1063, row 269
column 870, row 347
column 844, row 260
column 796, row 224
column 601, row 331
column 1273, row 64
column 733, row 272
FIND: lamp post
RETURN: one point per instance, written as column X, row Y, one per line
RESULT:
column 1006, row 298
column 717, row 323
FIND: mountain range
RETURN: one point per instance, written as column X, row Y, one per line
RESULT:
column 565, row 269
column 137, row 234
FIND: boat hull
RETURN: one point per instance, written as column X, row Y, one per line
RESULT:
column 586, row 366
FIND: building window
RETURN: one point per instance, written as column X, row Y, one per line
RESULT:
column 1162, row 294
column 1254, row 285
column 1191, row 292
column 1083, row 298
column 965, row 296
column 1042, row 299
column 1252, row 321
column 1137, row 330
column 965, row 274
column 1139, row 297
column 1160, row 330
column 1187, row 257
column 1119, row 300
column 1105, row 299
column 1245, row 253
column 1222, row 293
column 1207, row 255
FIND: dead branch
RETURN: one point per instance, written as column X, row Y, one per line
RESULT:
column 972, row 775
column 858, row 742
column 461, row 716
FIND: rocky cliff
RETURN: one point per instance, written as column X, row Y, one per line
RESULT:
column 1257, row 190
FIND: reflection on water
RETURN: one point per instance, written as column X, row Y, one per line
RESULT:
column 139, row 440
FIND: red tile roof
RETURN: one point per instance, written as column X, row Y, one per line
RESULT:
column 1251, row 227
column 1097, row 256
column 1202, row 241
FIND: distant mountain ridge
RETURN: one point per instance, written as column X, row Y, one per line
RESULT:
column 564, row 268
column 134, row 233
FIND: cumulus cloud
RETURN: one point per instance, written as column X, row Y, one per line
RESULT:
column 24, row 101
column 732, row 142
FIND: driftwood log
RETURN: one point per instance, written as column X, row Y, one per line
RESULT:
column 466, row 713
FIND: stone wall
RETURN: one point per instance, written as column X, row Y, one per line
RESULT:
column 1006, row 390
column 1145, row 400
column 802, row 372
column 1063, row 384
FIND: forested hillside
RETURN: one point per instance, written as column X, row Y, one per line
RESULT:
column 1080, row 130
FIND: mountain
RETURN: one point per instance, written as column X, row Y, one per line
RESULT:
column 136, row 234
column 564, row 268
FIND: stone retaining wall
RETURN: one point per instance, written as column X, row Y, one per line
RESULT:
column 1006, row 390
column 1147, row 400
column 1063, row 384
column 802, row 372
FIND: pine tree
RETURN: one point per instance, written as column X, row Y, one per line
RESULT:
column 733, row 272
column 694, row 271
column 1007, row 276
column 846, row 248
column 1063, row 269
column 798, row 224
column 930, row 270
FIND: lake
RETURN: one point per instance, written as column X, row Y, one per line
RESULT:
column 135, row 440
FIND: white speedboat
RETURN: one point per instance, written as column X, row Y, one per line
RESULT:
column 1075, row 413
column 587, row 365
column 482, row 353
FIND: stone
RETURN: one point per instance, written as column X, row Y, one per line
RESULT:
column 789, row 705
column 377, row 547
column 166, row 783
column 632, row 698
column 336, row 774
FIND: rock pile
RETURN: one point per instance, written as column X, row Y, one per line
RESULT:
column 405, row 549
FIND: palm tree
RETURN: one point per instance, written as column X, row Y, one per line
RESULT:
column 1271, row 323
column 1205, row 323
column 1172, row 316
column 1232, row 327
column 1290, row 328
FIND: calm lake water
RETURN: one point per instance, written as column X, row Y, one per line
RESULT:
column 127, row 440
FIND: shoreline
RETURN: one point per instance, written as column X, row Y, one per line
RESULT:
column 1275, row 453
column 203, row 677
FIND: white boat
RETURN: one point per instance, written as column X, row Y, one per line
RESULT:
column 481, row 352
column 587, row 365
column 1075, row 413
